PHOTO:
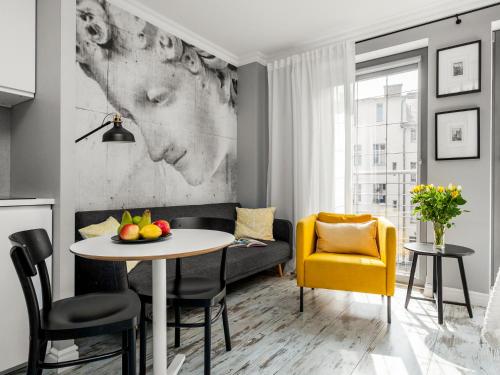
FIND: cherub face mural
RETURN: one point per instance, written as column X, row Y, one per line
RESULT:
column 182, row 98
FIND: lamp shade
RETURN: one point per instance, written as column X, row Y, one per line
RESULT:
column 118, row 134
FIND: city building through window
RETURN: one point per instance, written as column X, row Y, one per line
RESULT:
column 387, row 126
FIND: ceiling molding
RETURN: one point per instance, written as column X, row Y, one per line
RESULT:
column 136, row 8
column 257, row 56
column 442, row 8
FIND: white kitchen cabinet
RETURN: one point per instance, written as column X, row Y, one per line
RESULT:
column 14, row 324
column 17, row 51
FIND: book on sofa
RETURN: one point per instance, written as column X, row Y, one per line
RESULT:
column 248, row 242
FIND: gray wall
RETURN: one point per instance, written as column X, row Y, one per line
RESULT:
column 253, row 135
column 5, row 124
column 472, row 229
column 42, row 135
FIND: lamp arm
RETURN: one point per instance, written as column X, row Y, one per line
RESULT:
column 93, row 131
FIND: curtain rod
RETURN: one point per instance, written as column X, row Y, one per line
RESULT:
column 430, row 22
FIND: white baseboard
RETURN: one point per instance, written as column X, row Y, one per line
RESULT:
column 61, row 355
column 456, row 295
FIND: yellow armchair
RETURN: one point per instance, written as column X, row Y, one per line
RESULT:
column 350, row 272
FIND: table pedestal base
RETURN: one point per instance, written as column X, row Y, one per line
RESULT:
column 160, row 323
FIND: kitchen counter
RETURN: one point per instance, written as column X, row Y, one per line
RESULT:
column 26, row 202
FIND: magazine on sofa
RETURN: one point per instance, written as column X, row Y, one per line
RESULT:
column 247, row 242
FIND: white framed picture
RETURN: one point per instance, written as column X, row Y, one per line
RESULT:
column 457, row 134
column 458, row 69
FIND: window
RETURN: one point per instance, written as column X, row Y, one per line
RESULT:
column 387, row 125
column 357, row 150
column 380, row 112
column 379, row 154
column 358, row 193
column 379, row 193
column 413, row 135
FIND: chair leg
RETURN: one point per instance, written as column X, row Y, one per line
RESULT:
column 33, row 357
column 131, row 354
column 388, row 309
column 225, row 323
column 142, row 340
column 125, row 353
column 301, row 299
column 177, row 341
column 43, row 351
column 208, row 339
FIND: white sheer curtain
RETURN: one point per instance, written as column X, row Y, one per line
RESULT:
column 310, row 116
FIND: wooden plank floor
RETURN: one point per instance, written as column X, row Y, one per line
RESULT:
column 338, row 333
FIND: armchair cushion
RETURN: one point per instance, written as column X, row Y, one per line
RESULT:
column 358, row 273
column 347, row 238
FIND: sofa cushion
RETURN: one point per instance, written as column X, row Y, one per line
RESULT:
column 241, row 262
column 108, row 226
column 359, row 273
column 255, row 223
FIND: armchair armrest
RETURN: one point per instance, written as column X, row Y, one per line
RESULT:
column 305, row 244
column 387, row 242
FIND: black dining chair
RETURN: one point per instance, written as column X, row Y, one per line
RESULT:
column 70, row 318
column 198, row 291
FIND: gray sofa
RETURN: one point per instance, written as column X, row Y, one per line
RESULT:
column 93, row 275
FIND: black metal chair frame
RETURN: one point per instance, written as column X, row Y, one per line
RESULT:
column 177, row 304
column 30, row 250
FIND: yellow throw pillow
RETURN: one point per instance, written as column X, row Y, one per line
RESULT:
column 348, row 238
column 108, row 227
column 332, row 218
column 255, row 223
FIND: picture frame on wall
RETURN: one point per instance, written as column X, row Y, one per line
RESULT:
column 458, row 69
column 457, row 134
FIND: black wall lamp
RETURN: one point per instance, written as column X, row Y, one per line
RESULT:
column 116, row 134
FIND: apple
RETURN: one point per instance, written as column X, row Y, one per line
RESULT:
column 129, row 232
column 163, row 225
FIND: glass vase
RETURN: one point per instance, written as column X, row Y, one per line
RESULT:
column 439, row 231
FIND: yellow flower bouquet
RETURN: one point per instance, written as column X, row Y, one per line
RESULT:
column 439, row 205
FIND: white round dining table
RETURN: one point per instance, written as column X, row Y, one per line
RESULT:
column 183, row 243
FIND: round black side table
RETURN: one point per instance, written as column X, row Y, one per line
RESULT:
column 450, row 251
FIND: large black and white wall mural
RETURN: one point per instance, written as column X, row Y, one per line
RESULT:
column 178, row 100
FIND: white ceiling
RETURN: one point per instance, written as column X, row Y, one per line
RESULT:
column 250, row 30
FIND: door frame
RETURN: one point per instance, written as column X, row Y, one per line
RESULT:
column 386, row 62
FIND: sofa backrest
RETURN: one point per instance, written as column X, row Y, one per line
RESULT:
column 218, row 210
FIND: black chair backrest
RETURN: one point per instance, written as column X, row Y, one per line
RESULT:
column 211, row 223
column 29, row 251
